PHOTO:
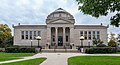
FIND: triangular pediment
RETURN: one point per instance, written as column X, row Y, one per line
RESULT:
column 60, row 21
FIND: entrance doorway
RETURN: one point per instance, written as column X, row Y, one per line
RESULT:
column 60, row 41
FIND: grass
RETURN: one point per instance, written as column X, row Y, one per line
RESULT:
column 117, row 53
column 36, row 61
column 94, row 60
column 10, row 56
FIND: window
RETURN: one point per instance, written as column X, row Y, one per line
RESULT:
column 89, row 35
column 34, row 34
column 66, row 38
column 94, row 32
column 30, row 34
column 94, row 37
column 53, row 39
column 26, row 34
column 85, row 34
column 89, row 32
column 38, row 33
column 81, row 33
column 98, row 34
column 22, row 34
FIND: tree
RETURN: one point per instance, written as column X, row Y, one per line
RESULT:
column 112, row 43
column 5, row 33
column 98, row 8
column 97, row 42
column 9, row 41
column 118, row 38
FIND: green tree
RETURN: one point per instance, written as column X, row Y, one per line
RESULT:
column 97, row 42
column 5, row 33
column 98, row 8
column 112, row 43
column 118, row 38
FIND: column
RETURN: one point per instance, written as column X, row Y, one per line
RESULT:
column 71, row 35
column 56, row 35
column 48, row 35
column 64, row 39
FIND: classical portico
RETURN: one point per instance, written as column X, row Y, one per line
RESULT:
column 60, row 26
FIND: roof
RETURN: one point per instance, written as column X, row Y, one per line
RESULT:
column 30, row 26
column 89, row 26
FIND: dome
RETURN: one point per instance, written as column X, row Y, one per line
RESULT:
column 59, row 14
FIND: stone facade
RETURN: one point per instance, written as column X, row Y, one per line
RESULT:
column 60, row 31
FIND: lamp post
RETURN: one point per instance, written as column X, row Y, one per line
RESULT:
column 82, row 38
column 38, row 38
column 31, row 43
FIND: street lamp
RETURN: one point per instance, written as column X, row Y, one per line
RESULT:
column 31, row 43
column 38, row 38
column 82, row 38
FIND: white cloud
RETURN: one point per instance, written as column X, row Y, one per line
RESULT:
column 36, row 11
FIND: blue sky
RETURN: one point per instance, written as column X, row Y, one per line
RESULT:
column 35, row 12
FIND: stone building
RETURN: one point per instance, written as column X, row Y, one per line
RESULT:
column 59, row 31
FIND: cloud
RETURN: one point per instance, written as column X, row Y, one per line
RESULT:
column 36, row 11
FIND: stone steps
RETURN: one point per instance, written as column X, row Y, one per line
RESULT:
column 60, row 47
column 60, row 50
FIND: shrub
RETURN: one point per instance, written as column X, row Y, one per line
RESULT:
column 19, row 50
column 100, row 50
column 101, row 45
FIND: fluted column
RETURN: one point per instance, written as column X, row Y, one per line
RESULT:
column 56, row 35
column 64, row 39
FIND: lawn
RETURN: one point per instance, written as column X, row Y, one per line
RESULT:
column 11, row 56
column 36, row 61
column 94, row 60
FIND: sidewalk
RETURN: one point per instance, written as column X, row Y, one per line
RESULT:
column 57, row 58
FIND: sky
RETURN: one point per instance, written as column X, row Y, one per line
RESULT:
column 33, row 12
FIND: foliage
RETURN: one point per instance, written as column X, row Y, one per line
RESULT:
column 100, row 50
column 35, row 61
column 97, row 42
column 112, row 36
column 5, row 34
column 10, row 56
column 118, row 38
column 101, row 45
column 8, row 42
column 19, row 50
column 94, row 60
column 112, row 43
column 99, row 8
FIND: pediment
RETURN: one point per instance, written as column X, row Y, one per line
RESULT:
column 60, row 22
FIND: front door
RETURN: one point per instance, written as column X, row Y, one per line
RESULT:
column 60, row 41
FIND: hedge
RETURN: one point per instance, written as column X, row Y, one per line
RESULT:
column 95, row 50
column 19, row 50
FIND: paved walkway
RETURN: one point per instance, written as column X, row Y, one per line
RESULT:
column 57, row 58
